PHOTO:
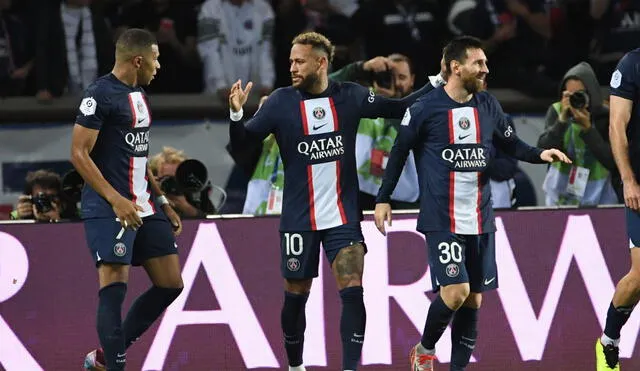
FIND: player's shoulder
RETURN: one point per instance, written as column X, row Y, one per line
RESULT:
column 101, row 89
column 632, row 57
column 486, row 97
column 280, row 95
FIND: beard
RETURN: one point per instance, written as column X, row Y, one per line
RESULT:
column 306, row 83
column 473, row 84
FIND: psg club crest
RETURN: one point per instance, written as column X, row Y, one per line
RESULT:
column 464, row 123
column 120, row 249
column 293, row 264
column 452, row 270
column 139, row 106
column 319, row 113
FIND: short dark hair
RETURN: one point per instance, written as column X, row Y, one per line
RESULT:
column 317, row 41
column 43, row 178
column 457, row 48
column 397, row 58
column 134, row 41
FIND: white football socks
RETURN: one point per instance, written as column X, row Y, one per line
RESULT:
column 297, row 368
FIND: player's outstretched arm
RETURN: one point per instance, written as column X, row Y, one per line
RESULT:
column 375, row 106
column 82, row 141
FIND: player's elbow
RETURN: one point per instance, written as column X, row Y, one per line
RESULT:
column 78, row 155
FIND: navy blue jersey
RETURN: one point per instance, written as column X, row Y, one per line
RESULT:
column 317, row 135
column 122, row 115
column 454, row 144
column 625, row 83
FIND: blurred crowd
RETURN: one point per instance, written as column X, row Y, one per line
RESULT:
column 564, row 50
column 50, row 48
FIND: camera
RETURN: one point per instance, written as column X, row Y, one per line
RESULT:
column 192, row 182
column 384, row 79
column 43, row 202
column 579, row 99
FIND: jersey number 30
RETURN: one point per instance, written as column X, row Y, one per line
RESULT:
column 449, row 252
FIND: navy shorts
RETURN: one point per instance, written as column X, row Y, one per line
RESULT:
column 109, row 244
column 300, row 251
column 633, row 227
column 456, row 258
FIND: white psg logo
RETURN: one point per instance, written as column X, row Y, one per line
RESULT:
column 319, row 113
column 293, row 264
column 452, row 270
column 464, row 123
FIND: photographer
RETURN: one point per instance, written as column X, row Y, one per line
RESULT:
column 164, row 165
column 578, row 124
column 43, row 199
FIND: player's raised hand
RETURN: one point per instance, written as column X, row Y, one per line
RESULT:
column 238, row 96
column 553, row 155
column 127, row 213
column 631, row 192
column 382, row 214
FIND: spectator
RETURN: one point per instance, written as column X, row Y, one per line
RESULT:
column 16, row 51
column 578, row 124
column 235, row 42
column 163, row 166
column 175, row 26
column 74, row 47
column 617, row 31
column 410, row 27
column 43, row 199
column 515, row 34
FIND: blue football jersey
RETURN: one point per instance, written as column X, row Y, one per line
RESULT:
column 317, row 135
column 453, row 144
column 625, row 83
column 122, row 115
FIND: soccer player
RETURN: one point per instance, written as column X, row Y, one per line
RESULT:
column 123, row 223
column 315, row 123
column 624, row 132
column 452, row 131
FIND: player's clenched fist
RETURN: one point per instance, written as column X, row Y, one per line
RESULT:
column 382, row 214
column 238, row 96
column 127, row 213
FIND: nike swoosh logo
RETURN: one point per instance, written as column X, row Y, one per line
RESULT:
column 318, row 127
column 140, row 121
column 120, row 355
column 461, row 137
column 486, row 281
column 358, row 336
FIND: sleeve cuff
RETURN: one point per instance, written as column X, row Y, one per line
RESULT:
column 236, row 116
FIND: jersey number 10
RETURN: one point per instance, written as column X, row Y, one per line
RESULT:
column 293, row 243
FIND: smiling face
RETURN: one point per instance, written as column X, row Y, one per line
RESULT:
column 473, row 71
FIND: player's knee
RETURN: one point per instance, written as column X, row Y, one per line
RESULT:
column 349, row 265
column 171, row 293
column 299, row 287
column 455, row 295
column 474, row 300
